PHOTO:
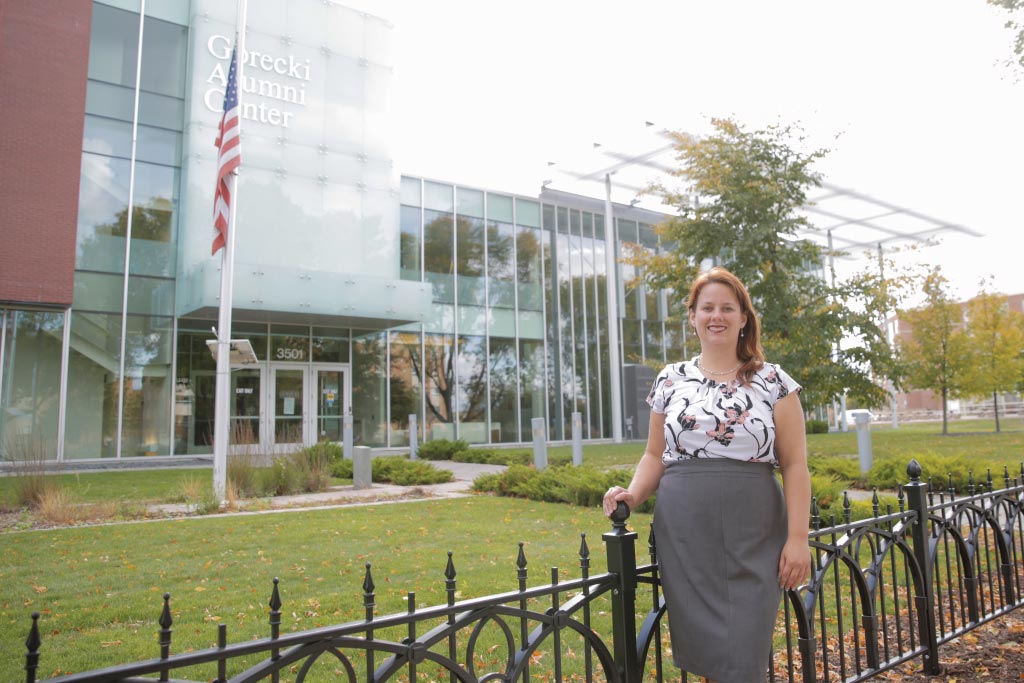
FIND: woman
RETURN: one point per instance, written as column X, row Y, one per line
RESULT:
column 729, row 540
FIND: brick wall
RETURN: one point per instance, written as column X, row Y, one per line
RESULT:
column 44, row 57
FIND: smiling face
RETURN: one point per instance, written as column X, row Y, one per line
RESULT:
column 718, row 316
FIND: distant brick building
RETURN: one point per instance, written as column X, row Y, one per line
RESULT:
column 920, row 402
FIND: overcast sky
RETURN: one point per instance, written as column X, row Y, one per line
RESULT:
column 914, row 98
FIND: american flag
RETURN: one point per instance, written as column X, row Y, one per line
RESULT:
column 229, row 156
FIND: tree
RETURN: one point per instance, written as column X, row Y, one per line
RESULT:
column 1013, row 7
column 938, row 352
column 751, row 186
column 997, row 338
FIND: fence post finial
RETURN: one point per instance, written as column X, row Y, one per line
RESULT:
column 918, row 495
column 32, row 643
column 620, row 546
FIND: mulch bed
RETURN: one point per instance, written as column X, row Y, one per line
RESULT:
column 993, row 653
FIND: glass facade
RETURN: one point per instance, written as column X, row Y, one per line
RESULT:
column 514, row 323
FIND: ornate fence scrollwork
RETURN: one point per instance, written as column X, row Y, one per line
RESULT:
column 883, row 591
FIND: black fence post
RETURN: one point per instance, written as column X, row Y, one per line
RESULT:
column 917, row 501
column 32, row 644
column 620, row 546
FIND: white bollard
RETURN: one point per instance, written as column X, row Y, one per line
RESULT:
column 577, row 439
column 362, row 471
column 413, row 440
column 346, row 436
column 540, row 443
column 863, row 426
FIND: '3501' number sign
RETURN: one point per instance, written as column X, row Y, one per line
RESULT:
column 290, row 354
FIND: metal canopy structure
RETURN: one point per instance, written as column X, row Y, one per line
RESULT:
column 844, row 220
column 847, row 219
column 868, row 222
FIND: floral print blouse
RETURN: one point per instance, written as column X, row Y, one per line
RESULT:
column 705, row 418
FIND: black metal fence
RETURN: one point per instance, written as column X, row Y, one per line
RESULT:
column 883, row 591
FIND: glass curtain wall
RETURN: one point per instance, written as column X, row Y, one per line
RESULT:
column 592, row 418
column 519, row 328
column 30, row 372
column 121, row 327
column 529, row 259
column 601, row 296
column 471, row 366
column 653, row 315
column 501, row 320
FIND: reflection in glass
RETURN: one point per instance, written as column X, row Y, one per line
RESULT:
column 194, row 391
column 470, row 251
column 565, row 330
column 288, row 406
column 329, row 393
column 553, row 358
column 593, row 428
column 113, row 45
column 500, row 265
column 29, row 396
column 409, row 243
column 531, row 385
column 103, row 205
column 632, row 342
column 163, row 57
column 438, row 256
column 405, row 386
column 580, row 328
column 330, row 345
column 601, row 292
column 369, row 374
column 90, row 429
column 502, row 371
column 147, row 390
column 245, row 406
column 528, row 269
column 438, row 387
column 472, row 389
column 289, row 343
column 652, row 341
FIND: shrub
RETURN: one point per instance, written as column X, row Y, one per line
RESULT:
column 489, row 456
column 837, row 467
column 557, row 484
column 441, row 449
column 33, row 480
column 244, row 478
column 501, row 456
column 816, row 427
column 890, row 471
column 828, row 491
column 396, row 470
column 859, row 509
column 280, row 479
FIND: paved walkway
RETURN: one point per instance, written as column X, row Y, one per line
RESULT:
column 461, row 485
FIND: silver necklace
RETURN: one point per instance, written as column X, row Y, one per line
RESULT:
column 713, row 372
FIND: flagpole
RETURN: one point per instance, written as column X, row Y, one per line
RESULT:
column 222, row 404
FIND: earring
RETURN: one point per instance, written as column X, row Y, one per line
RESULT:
column 742, row 332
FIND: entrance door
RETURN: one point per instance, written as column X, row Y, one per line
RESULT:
column 308, row 403
column 288, row 428
column 245, row 408
column 329, row 401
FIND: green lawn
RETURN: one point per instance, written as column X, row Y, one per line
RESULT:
column 99, row 588
column 143, row 486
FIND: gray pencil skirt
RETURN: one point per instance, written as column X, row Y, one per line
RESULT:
column 720, row 525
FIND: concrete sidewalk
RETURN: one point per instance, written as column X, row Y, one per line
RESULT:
column 461, row 485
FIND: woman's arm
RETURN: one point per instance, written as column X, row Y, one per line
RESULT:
column 791, row 451
column 648, row 472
